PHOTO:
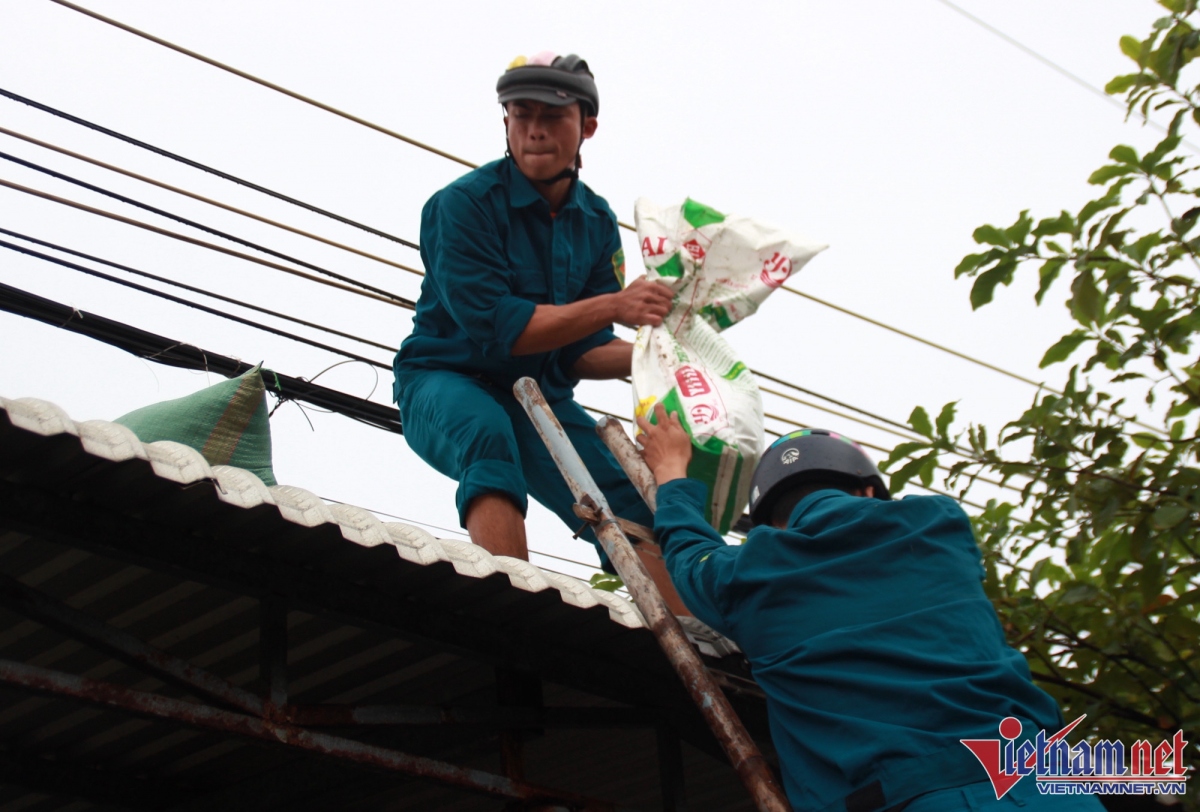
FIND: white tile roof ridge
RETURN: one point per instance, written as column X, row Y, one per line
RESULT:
column 469, row 559
column 522, row 574
column 415, row 544
column 111, row 441
column 360, row 526
column 176, row 462
column 301, row 507
column 620, row 610
column 242, row 488
column 38, row 416
column 574, row 591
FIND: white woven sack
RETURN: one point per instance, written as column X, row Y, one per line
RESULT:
column 721, row 268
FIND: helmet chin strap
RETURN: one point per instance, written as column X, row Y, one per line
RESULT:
column 571, row 172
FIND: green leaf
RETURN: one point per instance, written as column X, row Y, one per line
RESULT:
column 1169, row 515
column 919, row 420
column 1085, row 303
column 1046, row 276
column 992, row 236
column 1092, row 207
column 1124, row 154
column 1019, row 230
column 1127, row 376
column 606, row 582
column 945, row 418
column 1063, row 224
column 928, row 469
column 1150, row 161
column 1176, row 6
column 985, row 283
column 1062, row 350
column 910, row 469
column 1132, row 48
column 1106, row 173
column 1120, row 84
column 1182, row 409
column 969, row 263
column 1079, row 593
column 903, row 450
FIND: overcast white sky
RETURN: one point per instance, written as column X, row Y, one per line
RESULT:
column 889, row 130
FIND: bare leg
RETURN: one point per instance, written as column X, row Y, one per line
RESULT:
column 496, row 525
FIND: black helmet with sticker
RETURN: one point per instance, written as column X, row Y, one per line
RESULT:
column 551, row 79
column 804, row 456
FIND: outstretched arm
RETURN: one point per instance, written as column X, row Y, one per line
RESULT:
column 608, row 361
column 701, row 564
column 555, row 326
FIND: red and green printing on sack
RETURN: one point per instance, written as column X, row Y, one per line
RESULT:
column 721, row 268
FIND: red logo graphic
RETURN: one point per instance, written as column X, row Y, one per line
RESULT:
column 691, row 382
column 988, row 751
column 695, row 249
column 703, row 413
column 776, row 270
column 650, row 250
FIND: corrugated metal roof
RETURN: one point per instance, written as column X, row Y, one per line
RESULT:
column 154, row 541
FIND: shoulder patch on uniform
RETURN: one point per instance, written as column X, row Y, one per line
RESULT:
column 618, row 263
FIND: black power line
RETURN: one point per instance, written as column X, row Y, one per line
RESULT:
column 204, row 308
column 204, row 168
column 167, row 351
column 191, row 289
column 208, row 229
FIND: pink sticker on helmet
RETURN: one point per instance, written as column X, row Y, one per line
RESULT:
column 544, row 58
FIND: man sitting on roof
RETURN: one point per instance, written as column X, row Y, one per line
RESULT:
column 524, row 277
column 865, row 623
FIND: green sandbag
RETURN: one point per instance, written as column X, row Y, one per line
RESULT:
column 227, row 423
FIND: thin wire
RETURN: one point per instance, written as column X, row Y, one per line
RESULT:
column 178, row 300
column 1086, row 85
column 464, row 162
column 278, row 88
column 567, row 561
column 202, row 167
column 906, row 435
column 200, row 291
column 758, row 373
column 916, row 338
column 144, row 179
column 155, row 210
column 398, row 302
column 956, row 353
column 185, row 221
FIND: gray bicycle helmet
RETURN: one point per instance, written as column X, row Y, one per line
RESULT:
column 557, row 80
column 804, row 456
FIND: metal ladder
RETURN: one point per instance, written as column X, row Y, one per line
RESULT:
column 743, row 753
